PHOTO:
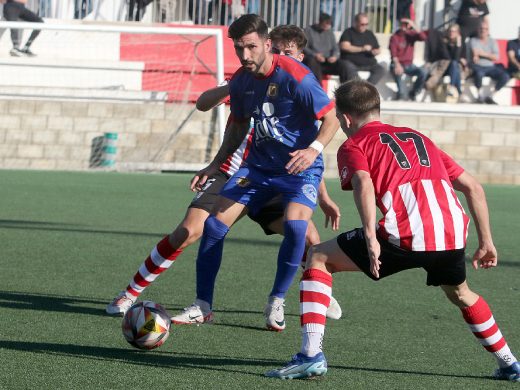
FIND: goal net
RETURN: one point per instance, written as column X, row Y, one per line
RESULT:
column 118, row 64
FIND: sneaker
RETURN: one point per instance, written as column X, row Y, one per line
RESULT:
column 15, row 52
column 193, row 315
column 301, row 366
column 334, row 310
column 489, row 100
column 28, row 52
column 274, row 315
column 511, row 373
column 120, row 305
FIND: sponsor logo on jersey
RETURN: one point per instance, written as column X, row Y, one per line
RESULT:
column 243, row 182
column 272, row 90
column 310, row 192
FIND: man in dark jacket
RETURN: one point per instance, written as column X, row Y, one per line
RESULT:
column 322, row 51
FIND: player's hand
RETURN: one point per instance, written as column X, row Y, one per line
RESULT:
column 201, row 177
column 486, row 255
column 374, row 251
column 301, row 160
column 331, row 211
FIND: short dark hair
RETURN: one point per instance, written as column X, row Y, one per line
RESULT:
column 247, row 24
column 289, row 33
column 360, row 15
column 357, row 97
column 324, row 17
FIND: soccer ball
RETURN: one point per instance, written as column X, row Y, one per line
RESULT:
column 146, row 325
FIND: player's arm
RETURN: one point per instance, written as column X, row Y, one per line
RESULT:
column 511, row 55
column 303, row 159
column 486, row 254
column 212, row 97
column 329, row 207
column 233, row 137
column 364, row 196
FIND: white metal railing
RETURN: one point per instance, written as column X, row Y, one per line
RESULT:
column 382, row 13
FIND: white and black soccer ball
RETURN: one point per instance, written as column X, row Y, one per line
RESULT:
column 146, row 325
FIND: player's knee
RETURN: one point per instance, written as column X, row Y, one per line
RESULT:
column 316, row 258
column 185, row 235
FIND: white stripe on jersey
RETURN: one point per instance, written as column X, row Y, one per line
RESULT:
column 458, row 217
column 390, row 219
column 313, row 307
column 414, row 216
column 436, row 212
column 311, row 285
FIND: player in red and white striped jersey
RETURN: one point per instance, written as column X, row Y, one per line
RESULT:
column 413, row 183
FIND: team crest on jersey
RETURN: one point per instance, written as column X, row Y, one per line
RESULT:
column 243, row 182
column 344, row 173
column 310, row 192
column 272, row 90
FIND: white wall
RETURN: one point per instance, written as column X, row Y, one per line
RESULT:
column 504, row 16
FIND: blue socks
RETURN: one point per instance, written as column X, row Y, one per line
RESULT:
column 210, row 257
column 289, row 256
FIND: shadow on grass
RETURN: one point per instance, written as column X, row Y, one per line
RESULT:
column 74, row 228
column 141, row 358
column 175, row 360
column 58, row 303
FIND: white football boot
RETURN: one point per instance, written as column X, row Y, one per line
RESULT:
column 334, row 310
column 120, row 305
column 198, row 313
column 274, row 314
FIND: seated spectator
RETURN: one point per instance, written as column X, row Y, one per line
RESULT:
column 321, row 53
column 513, row 57
column 401, row 49
column 13, row 11
column 484, row 54
column 471, row 14
column 446, row 53
column 359, row 48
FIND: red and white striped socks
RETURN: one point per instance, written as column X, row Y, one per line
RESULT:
column 315, row 293
column 161, row 258
column 483, row 325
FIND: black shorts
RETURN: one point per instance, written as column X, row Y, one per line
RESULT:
column 270, row 212
column 207, row 197
column 442, row 267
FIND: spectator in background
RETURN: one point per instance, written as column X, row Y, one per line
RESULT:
column 484, row 54
column 13, row 11
column 513, row 56
column 359, row 48
column 322, row 51
column 140, row 8
column 402, row 49
column 82, row 8
column 471, row 14
column 446, row 54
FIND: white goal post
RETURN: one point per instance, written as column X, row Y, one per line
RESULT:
column 25, row 64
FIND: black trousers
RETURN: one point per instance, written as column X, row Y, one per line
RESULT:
column 321, row 68
column 14, row 11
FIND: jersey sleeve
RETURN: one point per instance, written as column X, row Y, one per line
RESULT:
column 350, row 160
column 238, row 113
column 453, row 169
column 311, row 96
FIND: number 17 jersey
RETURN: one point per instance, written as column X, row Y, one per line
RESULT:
column 412, row 181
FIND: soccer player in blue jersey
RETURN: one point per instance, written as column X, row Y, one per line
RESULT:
column 285, row 101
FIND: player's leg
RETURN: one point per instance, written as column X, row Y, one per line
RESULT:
column 171, row 246
column 30, row 16
column 160, row 259
column 315, row 293
column 481, row 322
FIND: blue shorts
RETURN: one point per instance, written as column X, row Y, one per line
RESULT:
column 253, row 188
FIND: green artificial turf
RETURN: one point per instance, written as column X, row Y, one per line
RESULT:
column 71, row 241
